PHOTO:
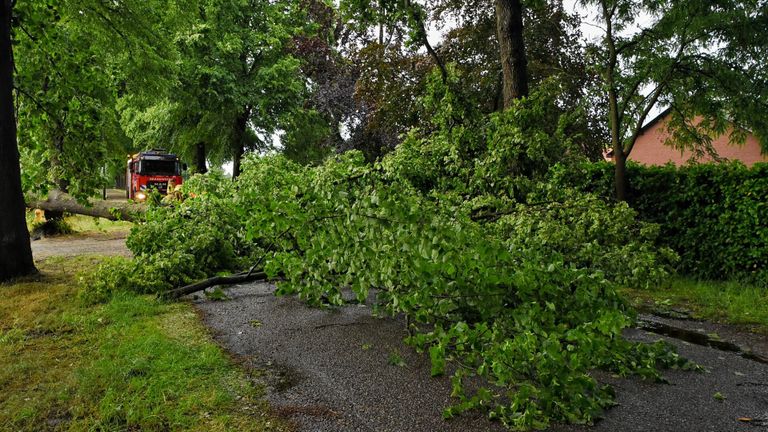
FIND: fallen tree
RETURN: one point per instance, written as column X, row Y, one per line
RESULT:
column 525, row 303
column 58, row 201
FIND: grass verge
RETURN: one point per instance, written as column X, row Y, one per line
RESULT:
column 81, row 224
column 726, row 302
column 129, row 364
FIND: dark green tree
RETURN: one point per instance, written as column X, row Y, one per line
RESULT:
column 235, row 87
column 74, row 59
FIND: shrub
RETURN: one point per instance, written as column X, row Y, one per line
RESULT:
column 713, row 215
column 583, row 231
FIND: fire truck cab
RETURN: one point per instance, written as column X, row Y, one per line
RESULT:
column 151, row 169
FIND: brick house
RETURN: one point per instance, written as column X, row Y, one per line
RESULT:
column 649, row 149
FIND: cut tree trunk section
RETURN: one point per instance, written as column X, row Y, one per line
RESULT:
column 58, row 201
column 620, row 175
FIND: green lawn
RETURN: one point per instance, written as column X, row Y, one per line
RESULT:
column 130, row 364
column 727, row 302
column 87, row 224
column 84, row 224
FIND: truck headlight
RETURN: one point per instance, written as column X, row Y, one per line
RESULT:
column 141, row 196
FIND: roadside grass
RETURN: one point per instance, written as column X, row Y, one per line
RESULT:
column 725, row 302
column 129, row 364
column 88, row 225
column 84, row 224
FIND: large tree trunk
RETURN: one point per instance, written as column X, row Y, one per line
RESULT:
column 15, row 251
column 200, row 165
column 514, row 65
column 61, row 202
column 238, row 143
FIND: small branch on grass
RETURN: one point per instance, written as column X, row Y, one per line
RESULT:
column 216, row 280
column 317, row 327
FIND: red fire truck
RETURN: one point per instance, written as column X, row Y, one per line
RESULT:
column 151, row 169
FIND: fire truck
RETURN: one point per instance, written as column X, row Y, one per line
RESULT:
column 152, row 169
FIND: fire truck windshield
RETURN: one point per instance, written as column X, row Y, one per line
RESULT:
column 158, row 167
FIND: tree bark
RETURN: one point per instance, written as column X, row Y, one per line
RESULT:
column 15, row 250
column 238, row 144
column 58, row 201
column 200, row 158
column 56, row 167
column 514, row 65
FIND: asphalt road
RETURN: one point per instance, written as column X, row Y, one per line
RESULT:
column 332, row 370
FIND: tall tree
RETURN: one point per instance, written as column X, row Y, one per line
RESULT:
column 65, row 98
column 702, row 59
column 15, row 250
column 74, row 58
column 235, row 84
column 364, row 76
column 554, row 53
column 514, row 65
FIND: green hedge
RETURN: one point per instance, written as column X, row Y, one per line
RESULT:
column 714, row 215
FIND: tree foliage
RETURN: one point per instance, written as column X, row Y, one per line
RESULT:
column 74, row 59
column 67, row 121
column 702, row 59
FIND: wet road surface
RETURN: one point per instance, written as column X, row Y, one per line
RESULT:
column 334, row 370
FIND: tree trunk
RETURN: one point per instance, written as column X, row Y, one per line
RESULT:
column 61, row 202
column 238, row 143
column 15, row 250
column 614, row 116
column 56, row 164
column 509, row 28
column 237, row 157
column 620, row 175
column 200, row 158
column 56, row 168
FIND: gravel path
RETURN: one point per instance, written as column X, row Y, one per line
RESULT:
column 330, row 370
column 73, row 245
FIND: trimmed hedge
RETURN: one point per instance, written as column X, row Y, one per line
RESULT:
column 714, row 215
